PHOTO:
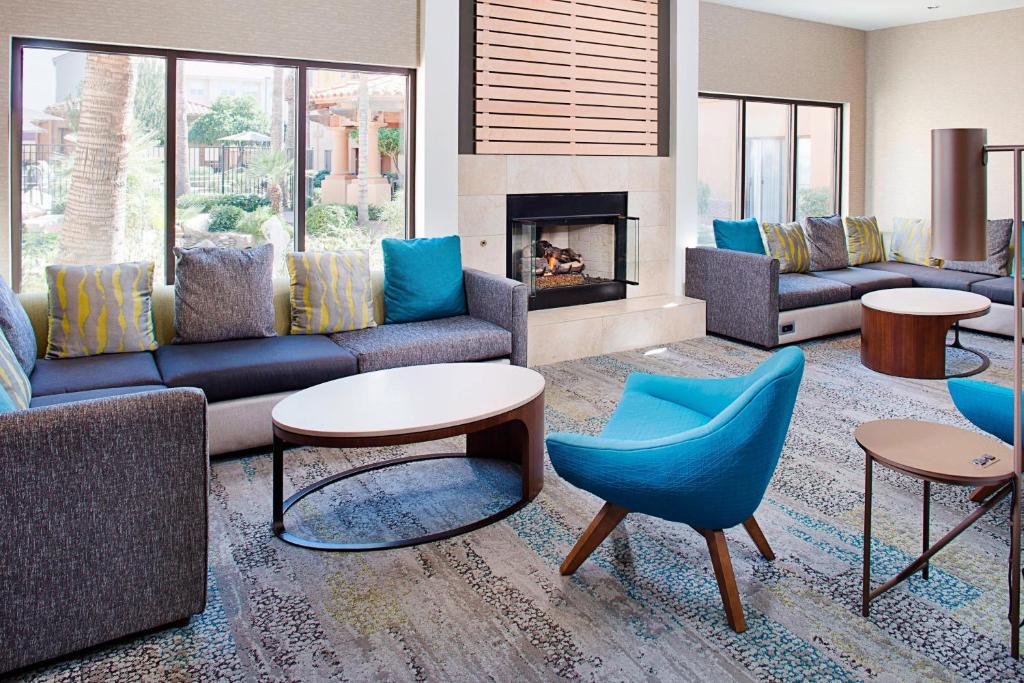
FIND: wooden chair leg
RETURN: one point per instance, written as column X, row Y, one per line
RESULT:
column 757, row 536
column 982, row 492
column 607, row 518
column 722, row 563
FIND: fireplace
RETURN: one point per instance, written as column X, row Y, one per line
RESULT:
column 569, row 249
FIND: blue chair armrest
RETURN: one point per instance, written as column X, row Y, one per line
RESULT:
column 989, row 406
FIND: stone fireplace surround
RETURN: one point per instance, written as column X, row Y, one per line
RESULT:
column 651, row 314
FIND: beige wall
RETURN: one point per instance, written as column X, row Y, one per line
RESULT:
column 958, row 73
column 361, row 31
column 752, row 53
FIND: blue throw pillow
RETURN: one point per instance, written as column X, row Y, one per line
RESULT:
column 6, row 404
column 744, row 235
column 423, row 279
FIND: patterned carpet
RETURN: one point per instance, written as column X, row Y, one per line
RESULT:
column 492, row 606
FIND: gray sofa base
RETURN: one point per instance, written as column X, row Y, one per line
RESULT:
column 999, row 320
column 801, row 324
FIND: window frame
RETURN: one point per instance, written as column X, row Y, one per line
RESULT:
column 171, row 57
column 794, row 107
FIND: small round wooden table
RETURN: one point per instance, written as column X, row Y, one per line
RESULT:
column 903, row 331
column 500, row 409
column 940, row 454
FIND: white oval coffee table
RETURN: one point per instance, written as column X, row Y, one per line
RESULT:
column 500, row 409
column 903, row 331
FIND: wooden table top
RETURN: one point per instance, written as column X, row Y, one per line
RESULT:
column 936, row 452
column 408, row 400
column 926, row 301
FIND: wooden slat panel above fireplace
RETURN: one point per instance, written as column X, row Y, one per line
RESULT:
column 567, row 77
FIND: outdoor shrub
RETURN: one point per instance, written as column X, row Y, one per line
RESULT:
column 251, row 222
column 206, row 202
column 224, row 218
column 324, row 220
column 318, row 179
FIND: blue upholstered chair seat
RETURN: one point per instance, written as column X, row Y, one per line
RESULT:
column 696, row 451
column 988, row 406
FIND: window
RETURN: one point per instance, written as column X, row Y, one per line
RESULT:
column 774, row 160
column 127, row 152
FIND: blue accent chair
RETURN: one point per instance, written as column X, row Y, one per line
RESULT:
column 990, row 408
column 696, row 451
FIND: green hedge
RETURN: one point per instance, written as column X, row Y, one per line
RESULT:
column 225, row 218
column 206, row 202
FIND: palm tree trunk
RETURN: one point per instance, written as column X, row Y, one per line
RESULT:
column 363, row 205
column 182, row 183
column 94, row 218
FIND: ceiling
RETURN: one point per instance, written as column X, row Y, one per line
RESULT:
column 869, row 15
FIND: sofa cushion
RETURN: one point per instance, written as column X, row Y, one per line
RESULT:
column 826, row 242
column 54, row 399
column 423, row 279
column 223, row 293
column 863, row 280
column 330, row 291
column 744, row 235
column 240, row 368
column 999, row 290
column 925, row 276
column 448, row 340
column 788, row 244
column 92, row 310
column 864, row 240
column 13, row 379
column 997, row 246
column 797, row 290
column 17, row 328
column 67, row 375
column 911, row 242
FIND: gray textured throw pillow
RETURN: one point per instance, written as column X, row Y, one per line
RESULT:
column 826, row 241
column 16, row 327
column 997, row 242
column 222, row 294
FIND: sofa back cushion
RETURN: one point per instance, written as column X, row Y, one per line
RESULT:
column 997, row 241
column 34, row 304
column 223, row 293
column 16, row 326
column 788, row 244
column 423, row 279
column 864, row 240
column 826, row 242
column 912, row 242
column 744, row 235
column 13, row 379
column 330, row 291
column 93, row 310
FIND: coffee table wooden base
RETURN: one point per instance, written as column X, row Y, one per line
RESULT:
column 911, row 345
column 517, row 435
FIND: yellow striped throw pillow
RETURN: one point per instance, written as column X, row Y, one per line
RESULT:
column 863, row 240
column 330, row 291
column 12, row 377
column 912, row 242
column 788, row 244
column 100, row 309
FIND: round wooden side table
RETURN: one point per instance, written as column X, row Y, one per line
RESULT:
column 940, row 454
column 903, row 331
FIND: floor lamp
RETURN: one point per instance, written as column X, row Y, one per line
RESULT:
column 959, row 196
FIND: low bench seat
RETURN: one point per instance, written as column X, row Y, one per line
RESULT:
column 999, row 290
column 926, row 276
column 241, row 368
column 55, row 399
column 797, row 290
column 447, row 340
column 71, row 375
column 864, row 280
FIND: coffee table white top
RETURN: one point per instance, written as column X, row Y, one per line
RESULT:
column 407, row 400
column 926, row 301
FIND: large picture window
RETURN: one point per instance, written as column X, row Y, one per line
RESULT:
column 125, row 153
column 773, row 160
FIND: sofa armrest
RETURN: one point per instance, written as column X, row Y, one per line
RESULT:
column 106, row 516
column 502, row 301
column 741, row 291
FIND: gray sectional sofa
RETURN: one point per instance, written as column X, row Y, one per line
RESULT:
column 106, row 472
column 747, row 298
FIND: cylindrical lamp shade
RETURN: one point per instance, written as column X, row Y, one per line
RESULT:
column 959, row 194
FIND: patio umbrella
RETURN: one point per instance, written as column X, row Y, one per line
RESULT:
column 247, row 136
